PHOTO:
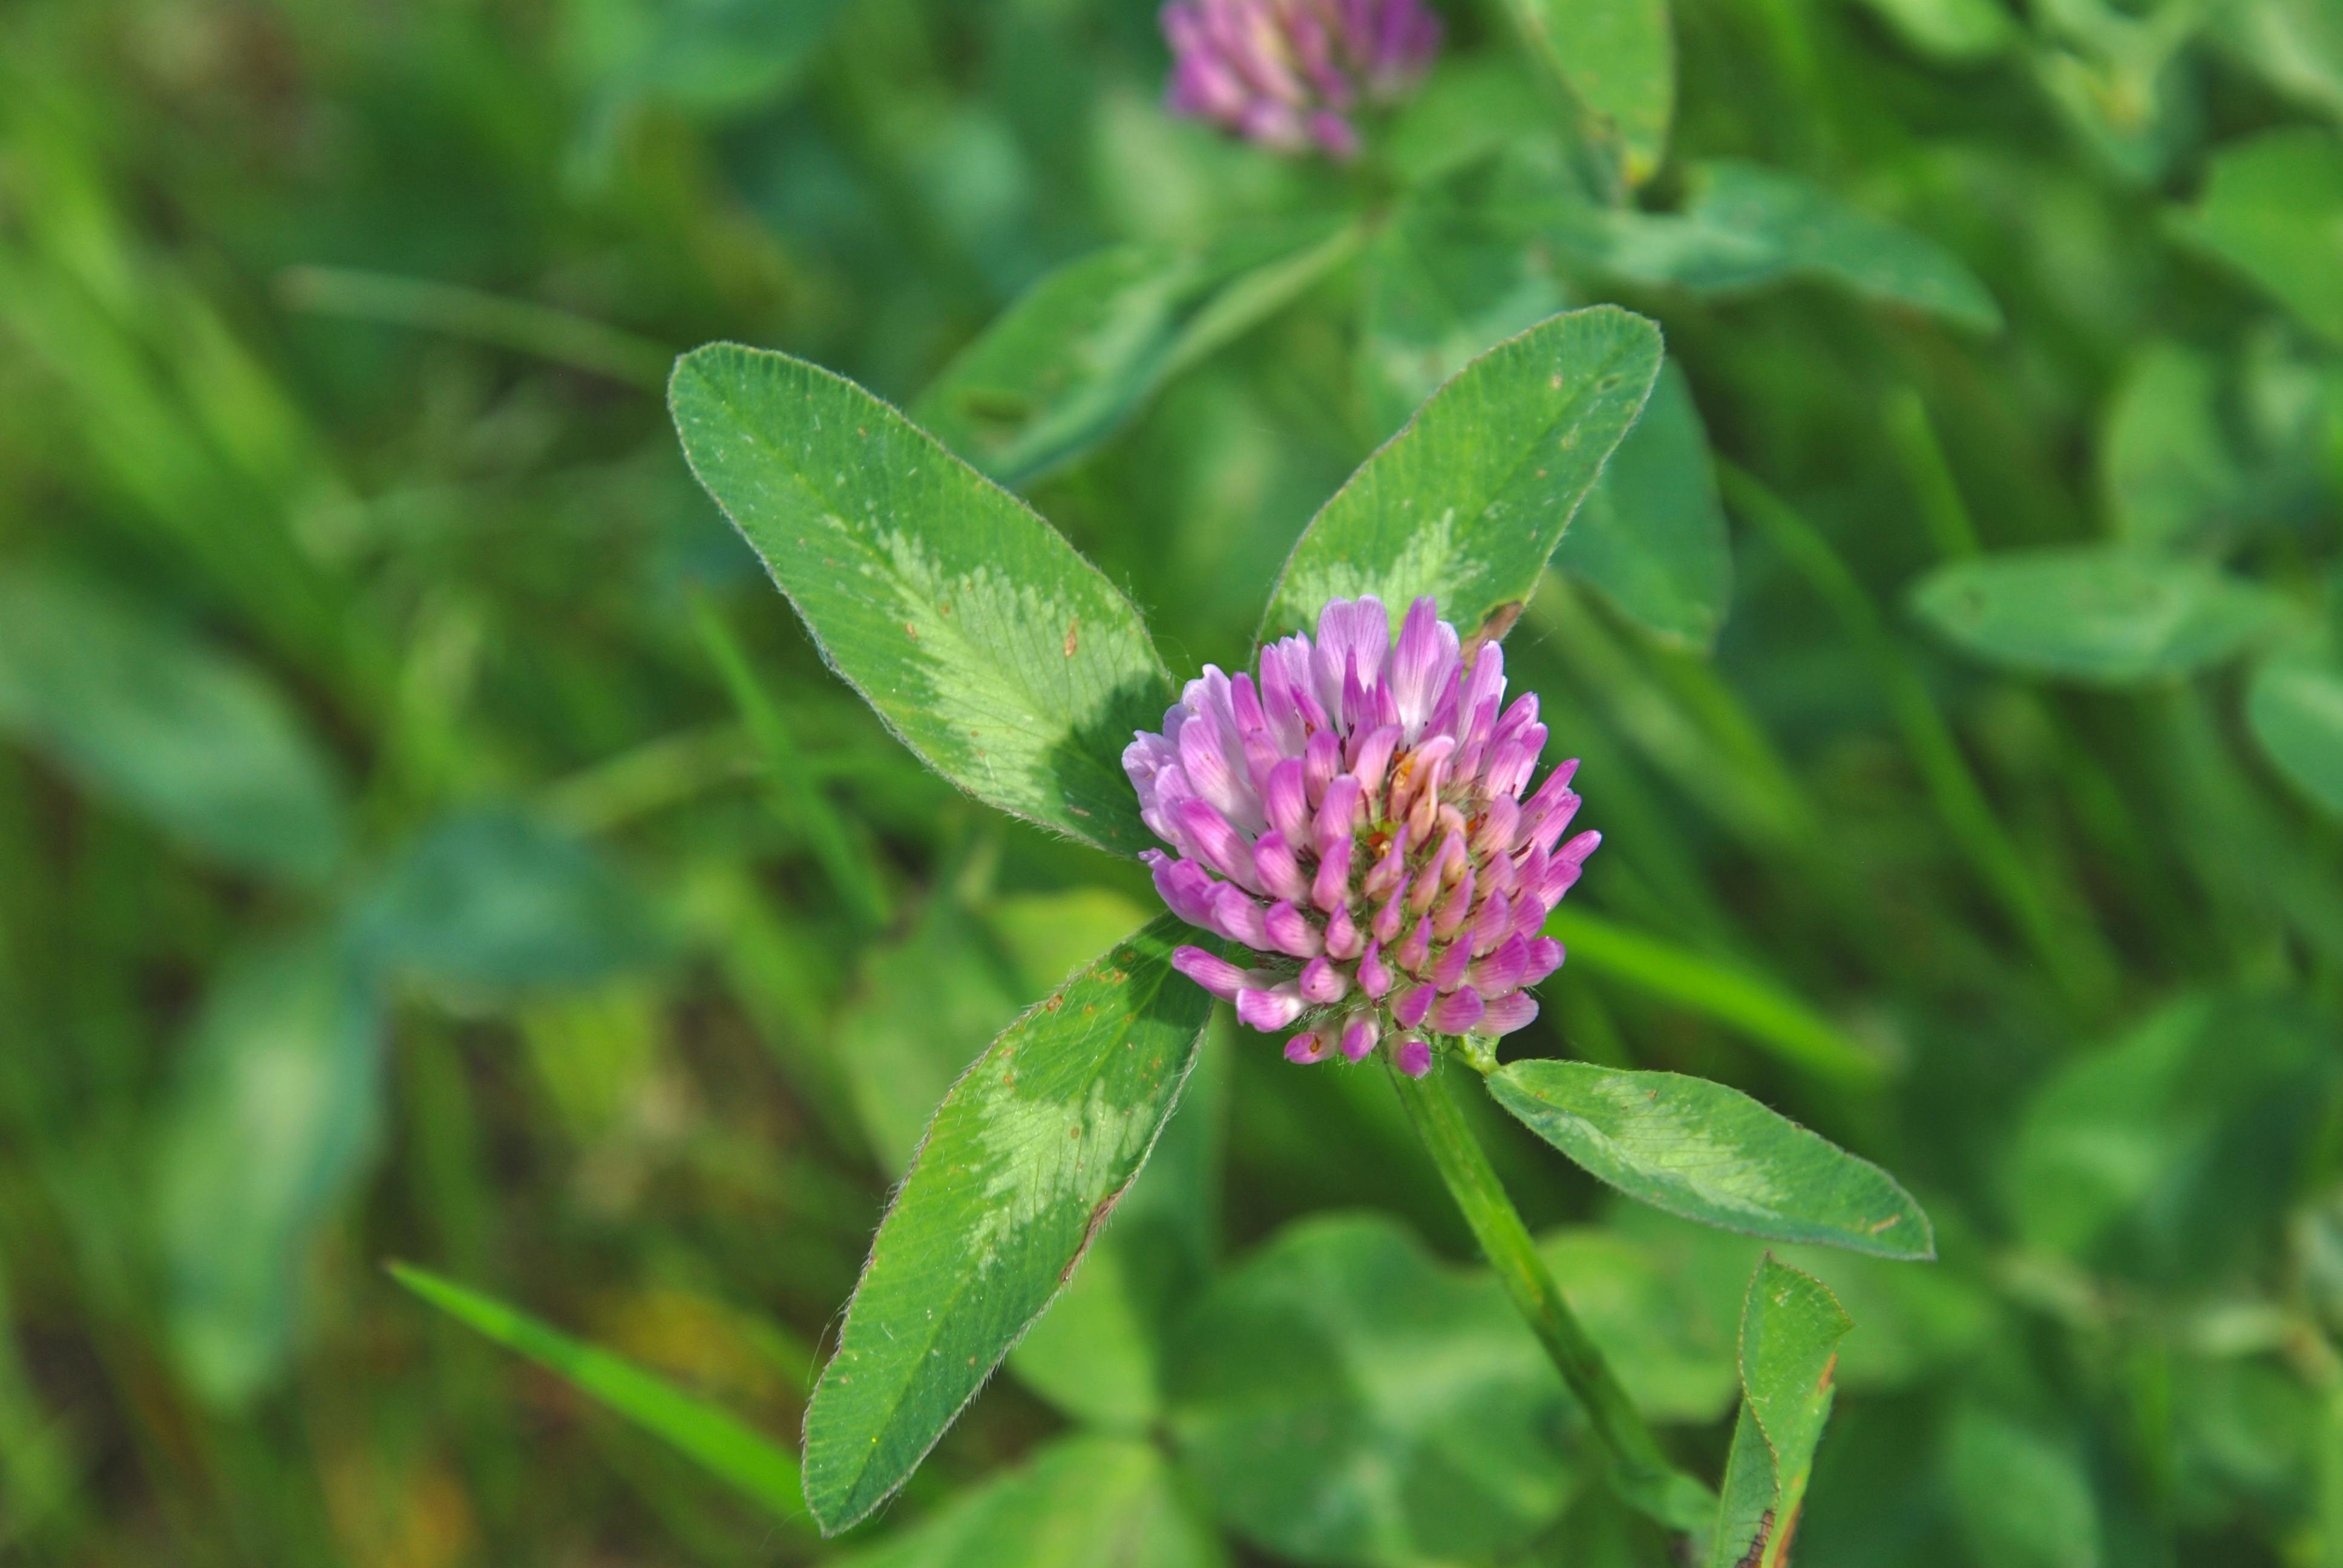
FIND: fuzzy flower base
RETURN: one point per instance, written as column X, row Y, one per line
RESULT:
column 1355, row 818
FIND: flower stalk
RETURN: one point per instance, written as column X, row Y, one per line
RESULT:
column 1640, row 1471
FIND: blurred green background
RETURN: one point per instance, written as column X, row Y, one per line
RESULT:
column 405, row 850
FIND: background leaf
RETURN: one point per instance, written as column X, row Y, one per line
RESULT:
column 2135, row 1157
column 1468, row 501
column 1443, row 285
column 1790, row 1332
column 275, row 1115
column 1081, row 1500
column 1708, row 1153
column 196, row 742
column 1618, row 58
column 1957, row 32
column 1024, row 1161
column 492, row 906
column 1746, row 225
column 2273, row 209
column 714, row 1440
column 1652, row 537
column 1070, row 361
column 2021, row 1498
column 1344, row 1399
column 2100, row 614
column 1001, row 657
column 2296, row 710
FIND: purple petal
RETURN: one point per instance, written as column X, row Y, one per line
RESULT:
column 1457, row 1011
column 1290, row 931
column 1286, row 802
column 1268, row 1008
column 1416, row 951
column 1218, row 845
column 1414, row 1057
column 1385, row 876
column 1280, row 868
column 1372, row 755
column 1321, row 761
column 1337, row 814
column 1320, row 981
column 1502, row 971
column 1344, row 938
column 1305, row 1048
column 1511, row 763
column 1499, row 821
column 1493, row 923
column 1331, row 889
column 1212, row 971
column 1239, row 919
column 1508, row 1014
column 1359, row 1038
column 1410, row 1007
column 1421, row 664
column 1545, row 957
column 1376, row 976
column 1185, row 887
column 1453, row 905
column 1448, row 970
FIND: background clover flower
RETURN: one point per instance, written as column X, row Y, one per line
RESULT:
column 1355, row 818
column 1288, row 73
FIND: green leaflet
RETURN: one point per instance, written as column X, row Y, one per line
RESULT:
column 1443, row 285
column 1652, row 537
column 1024, row 1160
column 1711, row 1153
column 2273, row 209
column 198, row 743
column 1064, row 364
column 1790, row 1329
column 1618, row 58
column 1342, row 1398
column 2295, row 708
column 717, row 1443
column 1082, row 1502
column 1747, row 225
column 277, row 1114
column 1009, row 663
column 1098, row 1353
column 1069, row 362
column 1468, row 501
column 2101, row 614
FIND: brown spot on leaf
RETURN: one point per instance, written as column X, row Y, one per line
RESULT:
column 1494, row 630
column 1757, row 1552
column 911, row 631
column 1098, row 1217
column 1073, row 626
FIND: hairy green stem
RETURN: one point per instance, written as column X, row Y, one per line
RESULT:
column 1640, row 1470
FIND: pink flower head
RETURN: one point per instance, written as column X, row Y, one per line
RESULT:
column 1355, row 818
column 1287, row 74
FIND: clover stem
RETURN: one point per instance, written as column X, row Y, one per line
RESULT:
column 1640, row 1471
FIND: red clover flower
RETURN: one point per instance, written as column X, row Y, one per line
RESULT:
column 1288, row 73
column 1355, row 818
